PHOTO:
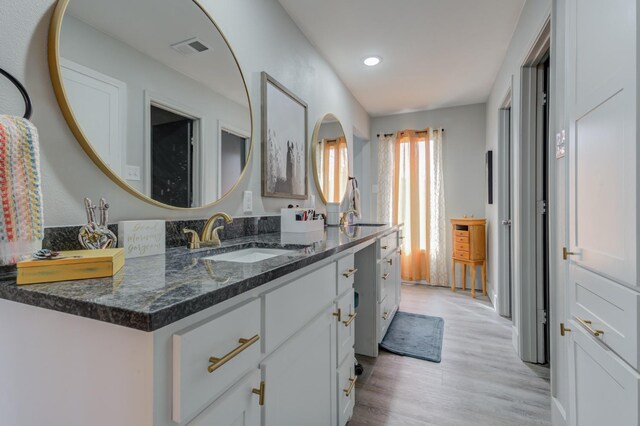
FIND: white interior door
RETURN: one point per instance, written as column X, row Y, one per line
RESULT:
column 99, row 104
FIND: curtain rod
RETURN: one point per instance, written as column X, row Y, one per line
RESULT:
column 417, row 131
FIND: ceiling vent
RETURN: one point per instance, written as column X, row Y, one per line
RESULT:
column 190, row 47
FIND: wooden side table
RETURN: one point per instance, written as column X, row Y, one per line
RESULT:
column 469, row 249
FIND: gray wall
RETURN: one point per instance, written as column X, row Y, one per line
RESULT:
column 263, row 38
column 463, row 157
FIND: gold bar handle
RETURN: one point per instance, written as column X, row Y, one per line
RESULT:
column 385, row 276
column 385, row 316
column 390, row 261
column 338, row 315
column 348, row 390
column 219, row 362
column 563, row 329
column 587, row 325
column 348, row 322
column 566, row 253
column 384, row 247
column 259, row 392
column 350, row 272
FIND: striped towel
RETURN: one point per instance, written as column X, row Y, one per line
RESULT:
column 21, row 224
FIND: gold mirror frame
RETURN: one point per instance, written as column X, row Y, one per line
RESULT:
column 55, row 28
column 314, row 147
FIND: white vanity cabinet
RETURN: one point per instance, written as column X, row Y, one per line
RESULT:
column 378, row 285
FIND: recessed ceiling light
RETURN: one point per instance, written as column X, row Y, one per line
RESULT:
column 372, row 61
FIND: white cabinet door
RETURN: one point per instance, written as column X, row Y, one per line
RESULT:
column 346, row 326
column 605, row 389
column 300, row 378
column 238, row 406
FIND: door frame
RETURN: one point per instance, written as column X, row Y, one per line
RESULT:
column 526, row 304
column 242, row 133
column 155, row 99
column 505, row 200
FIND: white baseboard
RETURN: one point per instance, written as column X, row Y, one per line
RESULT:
column 558, row 415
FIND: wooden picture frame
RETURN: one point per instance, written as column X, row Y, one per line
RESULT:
column 284, row 142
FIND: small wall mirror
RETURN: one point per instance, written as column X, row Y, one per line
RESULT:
column 155, row 96
column 330, row 159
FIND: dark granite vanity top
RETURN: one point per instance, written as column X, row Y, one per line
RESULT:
column 152, row 292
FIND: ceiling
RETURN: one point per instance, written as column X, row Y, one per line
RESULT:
column 436, row 53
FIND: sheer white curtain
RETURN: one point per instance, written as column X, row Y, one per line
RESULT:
column 385, row 177
column 438, row 250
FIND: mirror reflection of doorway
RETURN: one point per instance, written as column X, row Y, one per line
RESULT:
column 233, row 157
column 172, row 157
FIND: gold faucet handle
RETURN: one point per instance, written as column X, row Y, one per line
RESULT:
column 215, row 238
column 193, row 240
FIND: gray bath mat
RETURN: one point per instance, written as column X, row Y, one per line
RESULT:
column 414, row 335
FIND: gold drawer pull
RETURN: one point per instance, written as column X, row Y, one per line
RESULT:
column 385, row 276
column 219, row 362
column 338, row 315
column 350, row 272
column 390, row 262
column 563, row 329
column 259, row 392
column 384, row 247
column 348, row 390
column 587, row 325
column 385, row 316
column 348, row 322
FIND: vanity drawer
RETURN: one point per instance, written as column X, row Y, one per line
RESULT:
column 290, row 307
column 345, row 325
column 611, row 308
column 464, row 234
column 385, row 275
column 387, row 307
column 346, row 390
column 461, row 246
column 387, row 244
column 464, row 239
column 232, row 338
column 346, row 274
column 459, row 254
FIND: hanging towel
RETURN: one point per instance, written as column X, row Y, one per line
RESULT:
column 355, row 197
column 21, row 224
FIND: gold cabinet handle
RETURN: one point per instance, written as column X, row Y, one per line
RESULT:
column 384, row 247
column 566, row 253
column 564, row 329
column 338, row 315
column 385, row 276
column 219, row 362
column 385, row 316
column 260, row 392
column 390, row 261
column 349, row 389
column 587, row 325
column 348, row 322
column 350, row 272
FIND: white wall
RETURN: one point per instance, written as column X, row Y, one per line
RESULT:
column 263, row 38
column 532, row 20
column 84, row 45
column 463, row 157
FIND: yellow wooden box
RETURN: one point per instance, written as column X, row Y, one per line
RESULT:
column 72, row 265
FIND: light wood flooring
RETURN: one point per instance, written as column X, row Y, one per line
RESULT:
column 480, row 381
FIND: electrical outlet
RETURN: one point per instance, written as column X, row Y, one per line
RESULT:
column 247, row 202
column 132, row 172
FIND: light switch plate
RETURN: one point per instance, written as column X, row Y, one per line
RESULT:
column 132, row 172
column 247, row 202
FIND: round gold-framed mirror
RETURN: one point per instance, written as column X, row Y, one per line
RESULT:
column 330, row 154
column 154, row 94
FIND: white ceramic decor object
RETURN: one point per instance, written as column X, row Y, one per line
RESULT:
column 141, row 237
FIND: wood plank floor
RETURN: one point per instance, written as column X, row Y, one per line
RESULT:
column 480, row 380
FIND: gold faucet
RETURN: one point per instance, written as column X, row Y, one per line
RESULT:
column 343, row 218
column 209, row 236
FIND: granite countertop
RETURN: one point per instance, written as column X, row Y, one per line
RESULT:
column 152, row 292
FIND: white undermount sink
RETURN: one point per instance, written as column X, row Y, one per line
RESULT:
column 249, row 255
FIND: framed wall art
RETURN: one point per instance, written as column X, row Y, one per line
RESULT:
column 284, row 142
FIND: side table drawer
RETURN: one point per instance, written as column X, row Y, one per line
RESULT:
column 461, row 254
